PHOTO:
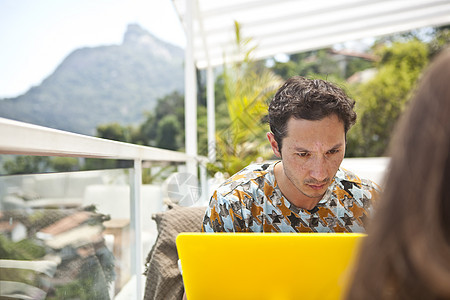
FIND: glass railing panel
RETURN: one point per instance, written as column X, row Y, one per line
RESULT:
column 67, row 235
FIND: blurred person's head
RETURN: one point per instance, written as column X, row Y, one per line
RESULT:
column 407, row 252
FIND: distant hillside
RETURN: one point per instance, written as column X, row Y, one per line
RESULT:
column 93, row 86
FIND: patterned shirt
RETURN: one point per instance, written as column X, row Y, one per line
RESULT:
column 251, row 201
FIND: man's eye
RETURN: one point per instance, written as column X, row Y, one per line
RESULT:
column 303, row 154
column 334, row 151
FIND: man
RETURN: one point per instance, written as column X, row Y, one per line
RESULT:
column 305, row 191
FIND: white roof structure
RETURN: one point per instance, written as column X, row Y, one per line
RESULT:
column 293, row 26
column 283, row 27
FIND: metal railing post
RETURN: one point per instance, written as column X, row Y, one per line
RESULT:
column 135, row 219
column 204, row 184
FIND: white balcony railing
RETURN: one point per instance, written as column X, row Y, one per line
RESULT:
column 20, row 138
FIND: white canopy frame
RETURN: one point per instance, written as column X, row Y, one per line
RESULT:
column 286, row 27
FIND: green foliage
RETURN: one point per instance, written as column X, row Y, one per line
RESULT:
column 322, row 63
column 71, row 290
column 92, row 282
column 247, row 86
column 308, row 64
column 26, row 164
column 355, row 65
column 19, row 275
column 170, row 105
column 167, row 133
column 157, row 173
column 382, row 99
column 115, row 131
column 440, row 40
column 163, row 128
column 64, row 164
column 101, row 164
column 27, row 249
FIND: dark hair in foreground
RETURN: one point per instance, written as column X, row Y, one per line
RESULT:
column 407, row 252
column 309, row 99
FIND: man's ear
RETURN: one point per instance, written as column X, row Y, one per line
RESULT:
column 273, row 144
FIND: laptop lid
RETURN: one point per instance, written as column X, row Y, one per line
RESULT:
column 267, row 265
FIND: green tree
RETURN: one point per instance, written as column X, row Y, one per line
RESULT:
column 163, row 127
column 26, row 164
column 440, row 40
column 307, row 64
column 147, row 130
column 323, row 62
column 355, row 65
column 382, row 99
column 64, row 164
column 168, row 133
column 169, row 105
column 247, row 86
column 116, row 132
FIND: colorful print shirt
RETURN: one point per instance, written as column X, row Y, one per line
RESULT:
column 250, row 201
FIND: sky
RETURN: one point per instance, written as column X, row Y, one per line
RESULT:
column 36, row 35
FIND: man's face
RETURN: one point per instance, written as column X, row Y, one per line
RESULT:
column 311, row 153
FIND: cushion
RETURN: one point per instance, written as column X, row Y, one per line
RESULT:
column 164, row 279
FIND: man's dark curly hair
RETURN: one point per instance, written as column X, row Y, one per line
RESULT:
column 309, row 99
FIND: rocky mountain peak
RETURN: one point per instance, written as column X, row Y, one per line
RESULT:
column 137, row 37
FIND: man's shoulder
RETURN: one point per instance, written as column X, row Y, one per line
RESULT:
column 243, row 179
column 345, row 176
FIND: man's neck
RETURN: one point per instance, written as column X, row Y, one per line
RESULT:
column 290, row 191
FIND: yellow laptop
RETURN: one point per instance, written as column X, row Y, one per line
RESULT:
column 267, row 265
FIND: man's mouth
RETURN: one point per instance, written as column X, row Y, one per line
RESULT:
column 317, row 186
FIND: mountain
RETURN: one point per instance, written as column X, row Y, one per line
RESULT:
column 106, row 84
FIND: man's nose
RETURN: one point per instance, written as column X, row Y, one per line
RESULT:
column 319, row 169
